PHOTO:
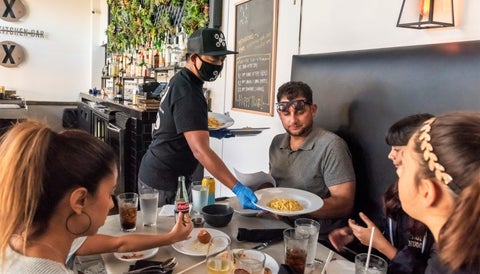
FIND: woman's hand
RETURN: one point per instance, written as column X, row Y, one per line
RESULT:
column 181, row 230
column 340, row 237
column 363, row 235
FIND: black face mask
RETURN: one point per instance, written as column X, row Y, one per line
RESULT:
column 208, row 72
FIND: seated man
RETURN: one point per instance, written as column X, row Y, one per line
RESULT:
column 311, row 158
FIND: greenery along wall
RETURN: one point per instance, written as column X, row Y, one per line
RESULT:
column 135, row 23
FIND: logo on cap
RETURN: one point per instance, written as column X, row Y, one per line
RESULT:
column 220, row 40
column 208, row 41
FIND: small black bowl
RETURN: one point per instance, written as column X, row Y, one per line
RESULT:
column 217, row 215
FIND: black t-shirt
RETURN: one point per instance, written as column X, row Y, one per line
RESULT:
column 182, row 108
column 413, row 252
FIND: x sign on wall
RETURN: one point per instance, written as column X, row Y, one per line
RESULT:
column 11, row 54
column 11, row 10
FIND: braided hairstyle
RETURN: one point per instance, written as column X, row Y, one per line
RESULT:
column 455, row 139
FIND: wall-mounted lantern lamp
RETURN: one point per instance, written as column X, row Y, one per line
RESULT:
column 425, row 14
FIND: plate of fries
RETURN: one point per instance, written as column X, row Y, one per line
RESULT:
column 218, row 121
column 285, row 201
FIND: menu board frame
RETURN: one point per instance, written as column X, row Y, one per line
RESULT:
column 254, row 66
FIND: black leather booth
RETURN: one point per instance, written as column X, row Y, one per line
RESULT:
column 361, row 93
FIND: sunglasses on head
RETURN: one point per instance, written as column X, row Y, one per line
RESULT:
column 298, row 105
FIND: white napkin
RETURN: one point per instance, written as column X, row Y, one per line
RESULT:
column 167, row 210
column 254, row 180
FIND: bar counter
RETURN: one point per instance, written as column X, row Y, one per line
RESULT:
column 120, row 105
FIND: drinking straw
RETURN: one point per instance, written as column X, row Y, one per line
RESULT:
column 369, row 250
column 329, row 258
column 191, row 267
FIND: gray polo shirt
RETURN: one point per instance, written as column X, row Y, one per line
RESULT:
column 323, row 160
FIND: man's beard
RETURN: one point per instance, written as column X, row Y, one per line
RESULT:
column 303, row 133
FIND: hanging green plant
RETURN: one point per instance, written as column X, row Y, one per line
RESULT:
column 195, row 15
column 134, row 23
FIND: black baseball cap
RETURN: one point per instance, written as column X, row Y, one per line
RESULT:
column 208, row 41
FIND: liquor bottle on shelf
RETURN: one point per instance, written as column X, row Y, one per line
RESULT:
column 118, row 89
column 176, row 53
column 109, row 65
column 135, row 95
column 116, row 65
column 105, row 69
column 182, row 39
column 156, row 59
column 140, row 65
column 182, row 45
column 161, row 58
column 151, row 52
column 128, row 64
column 167, row 50
column 181, row 198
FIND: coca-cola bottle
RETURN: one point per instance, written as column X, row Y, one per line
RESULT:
column 181, row 199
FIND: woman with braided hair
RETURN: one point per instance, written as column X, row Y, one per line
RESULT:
column 439, row 185
column 55, row 192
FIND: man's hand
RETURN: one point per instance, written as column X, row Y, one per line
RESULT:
column 245, row 196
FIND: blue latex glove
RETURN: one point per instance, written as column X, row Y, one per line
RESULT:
column 221, row 133
column 245, row 196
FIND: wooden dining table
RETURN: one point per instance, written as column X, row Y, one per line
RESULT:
column 165, row 223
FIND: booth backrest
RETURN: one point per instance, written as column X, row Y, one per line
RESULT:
column 361, row 93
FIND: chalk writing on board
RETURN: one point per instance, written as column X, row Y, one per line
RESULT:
column 243, row 14
column 253, row 82
column 255, row 42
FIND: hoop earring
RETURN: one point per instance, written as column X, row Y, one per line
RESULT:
column 82, row 232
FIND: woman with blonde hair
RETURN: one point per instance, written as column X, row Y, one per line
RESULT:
column 439, row 185
column 56, row 189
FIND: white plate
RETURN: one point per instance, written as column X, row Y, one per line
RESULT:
column 145, row 255
column 226, row 121
column 308, row 200
column 340, row 266
column 237, row 207
column 269, row 262
column 247, row 130
column 192, row 246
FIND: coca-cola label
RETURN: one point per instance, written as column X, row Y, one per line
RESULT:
column 183, row 206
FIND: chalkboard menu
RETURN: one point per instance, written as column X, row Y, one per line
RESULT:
column 255, row 41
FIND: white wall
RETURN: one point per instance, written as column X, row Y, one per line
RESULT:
column 331, row 26
column 57, row 67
